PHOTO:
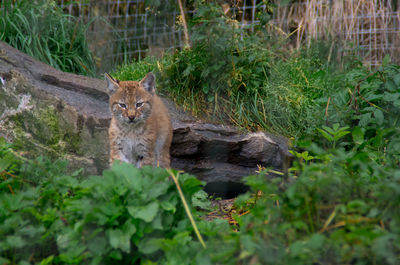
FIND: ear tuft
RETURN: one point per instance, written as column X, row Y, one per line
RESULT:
column 112, row 84
column 149, row 83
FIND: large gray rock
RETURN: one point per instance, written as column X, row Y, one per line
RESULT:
column 46, row 111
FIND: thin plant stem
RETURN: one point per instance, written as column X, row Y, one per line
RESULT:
column 196, row 230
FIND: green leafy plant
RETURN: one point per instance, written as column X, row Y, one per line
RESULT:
column 334, row 134
column 241, row 78
column 136, row 70
column 126, row 215
column 338, row 206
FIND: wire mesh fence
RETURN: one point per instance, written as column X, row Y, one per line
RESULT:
column 123, row 30
column 371, row 28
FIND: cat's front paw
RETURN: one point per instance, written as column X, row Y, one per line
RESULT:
column 139, row 161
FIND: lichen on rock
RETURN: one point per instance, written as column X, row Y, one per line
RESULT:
column 42, row 119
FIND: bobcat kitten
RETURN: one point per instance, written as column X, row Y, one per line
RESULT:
column 140, row 131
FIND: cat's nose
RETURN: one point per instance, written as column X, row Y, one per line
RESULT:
column 131, row 118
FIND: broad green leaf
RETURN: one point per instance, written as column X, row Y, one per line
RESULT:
column 358, row 135
column 149, row 245
column 340, row 134
column 130, row 174
column 97, row 245
column 396, row 79
column 47, row 260
column 328, row 129
column 6, row 161
column 386, row 60
column 316, row 241
column 203, row 260
column 343, row 129
column 335, row 126
column 378, row 140
column 146, row 213
column 296, row 154
column 296, row 248
column 391, row 96
column 365, row 119
column 115, row 254
column 157, row 222
column 111, row 209
column 168, row 206
column 73, row 254
column 119, row 240
column 378, row 114
column 15, row 241
column 200, row 200
column 304, row 155
column 189, row 184
column 159, row 189
column 357, row 206
column 383, row 247
column 129, row 228
column 326, row 135
column 391, row 86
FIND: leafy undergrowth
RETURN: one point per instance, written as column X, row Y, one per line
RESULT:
column 338, row 204
column 126, row 215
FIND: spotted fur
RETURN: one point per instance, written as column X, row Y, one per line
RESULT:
column 140, row 131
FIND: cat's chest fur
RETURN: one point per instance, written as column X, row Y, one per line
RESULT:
column 132, row 143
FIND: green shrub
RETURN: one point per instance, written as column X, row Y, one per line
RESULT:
column 238, row 77
column 42, row 30
column 136, row 70
column 340, row 203
column 126, row 216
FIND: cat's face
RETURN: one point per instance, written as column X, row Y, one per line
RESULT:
column 131, row 101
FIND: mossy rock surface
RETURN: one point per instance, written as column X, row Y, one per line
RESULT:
column 48, row 112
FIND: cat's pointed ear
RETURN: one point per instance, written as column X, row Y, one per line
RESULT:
column 112, row 84
column 149, row 83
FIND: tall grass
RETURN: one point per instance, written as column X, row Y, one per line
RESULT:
column 286, row 100
column 42, row 30
column 250, row 80
column 258, row 90
column 371, row 25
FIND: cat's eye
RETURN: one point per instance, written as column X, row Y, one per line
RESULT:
column 139, row 104
column 122, row 105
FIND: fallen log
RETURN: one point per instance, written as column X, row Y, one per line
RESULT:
column 63, row 115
